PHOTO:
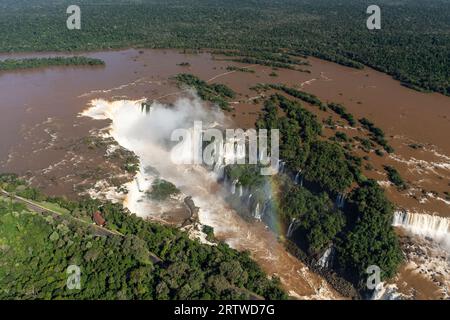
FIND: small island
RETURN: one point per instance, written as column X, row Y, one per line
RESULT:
column 31, row 63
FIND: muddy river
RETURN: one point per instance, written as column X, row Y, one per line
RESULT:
column 44, row 139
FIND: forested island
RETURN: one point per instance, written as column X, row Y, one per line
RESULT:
column 31, row 63
column 216, row 93
column 315, row 178
column 412, row 45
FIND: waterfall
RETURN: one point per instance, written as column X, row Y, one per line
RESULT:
column 147, row 137
column 291, row 229
column 296, row 177
column 340, row 201
column 386, row 292
column 241, row 191
column 261, row 153
column 435, row 227
column 257, row 213
column 219, row 170
column 233, row 186
column 138, row 184
column 146, row 107
column 282, row 166
column 265, row 207
column 249, row 199
column 326, row 260
column 299, row 178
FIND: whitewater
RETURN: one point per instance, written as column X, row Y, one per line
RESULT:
column 148, row 136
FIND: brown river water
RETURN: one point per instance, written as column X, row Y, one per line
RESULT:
column 42, row 138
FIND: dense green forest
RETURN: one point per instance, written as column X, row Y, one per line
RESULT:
column 216, row 93
column 323, row 162
column 36, row 249
column 395, row 178
column 162, row 189
column 319, row 220
column 369, row 237
column 13, row 64
column 413, row 44
column 317, row 174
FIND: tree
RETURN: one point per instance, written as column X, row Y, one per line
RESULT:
column 371, row 240
column 328, row 166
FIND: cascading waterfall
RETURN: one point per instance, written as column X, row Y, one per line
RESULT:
column 138, row 184
column 257, row 214
column 148, row 137
column 291, row 228
column 233, row 186
column 297, row 176
column 261, row 154
column 281, row 166
column 340, row 201
column 265, row 207
column 326, row 260
column 146, row 108
column 249, row 198
column 435, row 227
column 241, row 191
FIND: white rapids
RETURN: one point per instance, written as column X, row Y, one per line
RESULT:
column 148, row 136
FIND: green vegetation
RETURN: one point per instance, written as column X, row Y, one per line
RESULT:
column 395, row 177
column 412, row 45
column 162, row 189
column 342, row 112
column 264, row 58
column 233, row 68
column 370, row 238
column 267, row 63
column 54, row 207
column 377, row 134
column 247, row 174
column 366, row 144
column 36, row 250
column 14, row 64
column 304, row 96
column 324, row 162
column 328, row 166
column 361, row 231
column 318, row 220
column 209, row 231
column 215, row 93
column 341, row 136
column 287, row 60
